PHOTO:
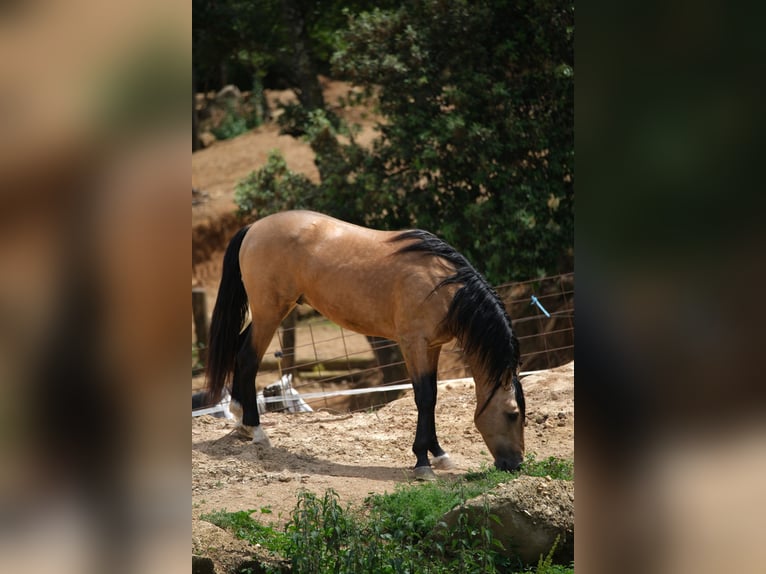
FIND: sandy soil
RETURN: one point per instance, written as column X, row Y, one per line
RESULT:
column 364, row 452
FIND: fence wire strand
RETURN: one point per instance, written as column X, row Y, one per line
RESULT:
column 545, row 342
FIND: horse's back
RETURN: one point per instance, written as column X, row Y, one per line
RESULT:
column 300, row 227
column 311, row 243
column 351, row 274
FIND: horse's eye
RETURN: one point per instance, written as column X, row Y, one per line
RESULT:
column 513, row 417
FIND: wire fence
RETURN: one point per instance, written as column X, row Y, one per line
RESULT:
column 325, row 359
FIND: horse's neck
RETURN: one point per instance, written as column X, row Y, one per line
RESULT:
column 480, row 377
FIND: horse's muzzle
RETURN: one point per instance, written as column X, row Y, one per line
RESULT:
column 509, row 463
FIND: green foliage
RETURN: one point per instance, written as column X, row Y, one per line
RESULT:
column 477, row 142
column 240, row 119
column 411, row 512
column 472, row 545
column 320, row 532
column 393, row 535
column 272, row 188
column 243, row 526
column 234, row 40
column 234, row 124
column 293, row 120
column 545, row 564
column 554, row 467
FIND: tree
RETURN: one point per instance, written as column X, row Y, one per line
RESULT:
column 303, row 71
column 287, row 40
column 477, row 144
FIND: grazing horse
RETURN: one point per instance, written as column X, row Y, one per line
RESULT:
column 407, row 286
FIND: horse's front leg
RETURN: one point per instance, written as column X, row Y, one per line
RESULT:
column 424, row 386
column 425, row 433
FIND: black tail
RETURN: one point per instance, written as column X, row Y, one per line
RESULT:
column 228, row 319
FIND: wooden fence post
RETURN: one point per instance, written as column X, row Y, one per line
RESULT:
column 199, row 311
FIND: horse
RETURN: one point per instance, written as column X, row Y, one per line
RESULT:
column 408, row 286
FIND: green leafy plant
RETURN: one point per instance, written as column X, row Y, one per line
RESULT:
column 231, row 126
column 392, row 533
column 412, row 511
column 545, row 564
column 235, row 123
column 557, row 468
column 245, row 527
column 272, row 188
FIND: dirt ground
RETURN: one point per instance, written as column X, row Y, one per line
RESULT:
column 361, row 453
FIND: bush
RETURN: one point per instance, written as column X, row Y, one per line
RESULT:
column 273, row 188
column 235, row 123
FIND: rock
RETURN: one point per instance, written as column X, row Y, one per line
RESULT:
column 532, row 511
column 202, row 565
column 199, row 196
column 216, row 551
column 207, row 139
column 229, row 95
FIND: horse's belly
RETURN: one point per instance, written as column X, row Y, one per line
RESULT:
column 351, row 311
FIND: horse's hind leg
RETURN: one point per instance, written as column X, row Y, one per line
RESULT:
column 244, row 398
column 254, row 342
column 235, row 406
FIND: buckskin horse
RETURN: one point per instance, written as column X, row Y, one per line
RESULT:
column 408, row 286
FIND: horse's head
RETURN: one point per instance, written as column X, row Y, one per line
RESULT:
column 500, row 414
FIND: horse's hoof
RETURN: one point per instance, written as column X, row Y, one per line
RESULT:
column 245, row 431
column 424, row 473
column 443, row 462
column 260, row 437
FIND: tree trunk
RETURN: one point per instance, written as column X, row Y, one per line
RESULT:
column 305, row 75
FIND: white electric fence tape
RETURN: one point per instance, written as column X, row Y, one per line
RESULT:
column 296, row 402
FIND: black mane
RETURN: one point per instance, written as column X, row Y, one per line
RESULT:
column 476, row 316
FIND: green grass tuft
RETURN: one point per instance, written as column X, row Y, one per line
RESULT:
column 244, row 527
column 390, row 535
column 554, row 467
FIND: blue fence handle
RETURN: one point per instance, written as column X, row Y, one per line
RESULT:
column 536, row 302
